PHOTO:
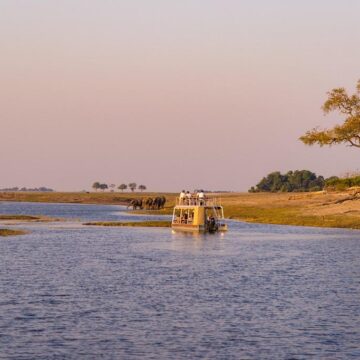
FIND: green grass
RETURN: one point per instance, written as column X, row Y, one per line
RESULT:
column 131, row 223
column 19, row 217
column 8, row 232
column 289, row 216
column 108, row 198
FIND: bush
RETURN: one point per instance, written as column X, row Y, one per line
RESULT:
column 292, row 181
column 336, row 183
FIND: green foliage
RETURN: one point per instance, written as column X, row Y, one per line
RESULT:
column 347, row 133
column 122, row 187
column 103, row 187
column 142, row 188
column 96, row 185
column 335, row 183
column 292, row 181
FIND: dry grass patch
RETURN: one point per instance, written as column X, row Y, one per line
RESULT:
column 105, row 198
column 131, row 223
column 27, row 218
column 10, row 232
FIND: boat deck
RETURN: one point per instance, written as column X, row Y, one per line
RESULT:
column 198, row 215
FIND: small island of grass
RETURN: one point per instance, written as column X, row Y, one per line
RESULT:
column 131, row 223
column 9, row 232
column 19, row 217
column 27, row 218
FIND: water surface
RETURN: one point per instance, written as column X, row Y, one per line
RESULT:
column 257, row 292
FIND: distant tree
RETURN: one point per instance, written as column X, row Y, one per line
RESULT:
column 96, row 186
column 45, row 189
column 142, row 188
column 122, row 187
column 299, row 180
column 336, row 183
column 112, row 187
column 132, row 186
column 103, row 187
column 346, row 133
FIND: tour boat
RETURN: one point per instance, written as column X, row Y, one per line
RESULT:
column 198, row 215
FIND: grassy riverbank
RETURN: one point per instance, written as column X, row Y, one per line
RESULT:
column 20, row 217
column 337, row 209
column 304, row 209
column 105, row 198
column 131, row 223
column 26, row 218
column 9, row 232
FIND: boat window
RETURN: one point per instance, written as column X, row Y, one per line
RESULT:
column 183, row 216
column 191, row 216
column 177, row 216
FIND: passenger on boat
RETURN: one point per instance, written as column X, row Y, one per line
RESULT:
column 211, row 224
column 184, row 219
column 182, row 197
column 201, row 197
column 188, row 197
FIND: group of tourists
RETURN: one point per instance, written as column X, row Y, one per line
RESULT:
column 195, row 198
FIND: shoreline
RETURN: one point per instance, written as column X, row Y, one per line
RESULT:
column 318, row 209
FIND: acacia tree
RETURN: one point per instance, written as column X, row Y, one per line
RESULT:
column 132, row 186
column 122, row 187
column 103, row 187
column 96, row 186
column 346, row 133
column 112, row 187
column 142, row 188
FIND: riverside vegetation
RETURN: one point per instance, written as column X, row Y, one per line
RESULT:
column 16, row 219
column 131, row 223
column 337, row 206
column 11, row 232
column 322, row 208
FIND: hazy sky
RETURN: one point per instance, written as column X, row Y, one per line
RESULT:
column 171, row 94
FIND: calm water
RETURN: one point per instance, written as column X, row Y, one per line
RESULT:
column 258, row 292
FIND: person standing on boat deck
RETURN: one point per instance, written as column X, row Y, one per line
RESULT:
column 194, row 197
column 182, row 197
column 188, row 197
column 201, row 197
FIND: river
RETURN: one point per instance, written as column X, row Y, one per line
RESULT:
column 69, row 291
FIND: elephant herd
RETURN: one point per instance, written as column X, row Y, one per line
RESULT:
column 156, row 203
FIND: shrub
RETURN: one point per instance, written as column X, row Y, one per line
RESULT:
column 292, row 181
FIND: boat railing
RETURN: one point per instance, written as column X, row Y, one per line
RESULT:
column 196, row 201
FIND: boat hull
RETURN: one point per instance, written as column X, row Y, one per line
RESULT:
column 196, row 228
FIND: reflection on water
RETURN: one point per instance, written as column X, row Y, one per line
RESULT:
column 255, row 292
column 186, row 241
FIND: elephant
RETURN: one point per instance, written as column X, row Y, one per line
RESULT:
column 149, row 203
column 159, row 202
column 156, row 203
column 163, row 201
column 136, row 203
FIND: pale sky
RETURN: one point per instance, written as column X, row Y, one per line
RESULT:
column 170, row 94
